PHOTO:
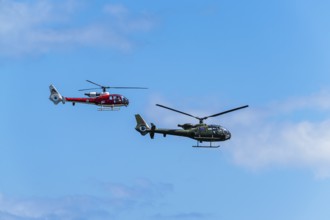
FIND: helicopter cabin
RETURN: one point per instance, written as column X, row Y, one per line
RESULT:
column 217, row 129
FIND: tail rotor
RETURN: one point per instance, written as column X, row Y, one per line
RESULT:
column 55, row 96
column 141, row 125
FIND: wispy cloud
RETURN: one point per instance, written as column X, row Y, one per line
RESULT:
column 294, row 133
column 118, row 200
column 141, row 187
column 141, row 193
column 36, row 27
column 69, row 207
column 182, row 216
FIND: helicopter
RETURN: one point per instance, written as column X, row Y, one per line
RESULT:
column 200, row 132
column 106, row 101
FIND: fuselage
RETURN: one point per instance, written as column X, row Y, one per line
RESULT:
column 104, row 99
column 209, row 133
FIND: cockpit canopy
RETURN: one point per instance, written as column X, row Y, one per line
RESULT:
column 124, row 100
column 118, row 99
column 218, row 129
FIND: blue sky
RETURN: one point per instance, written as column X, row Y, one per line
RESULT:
column 202, row 57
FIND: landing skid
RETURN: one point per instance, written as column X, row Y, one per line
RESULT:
column 211, row 146
column 108, row 108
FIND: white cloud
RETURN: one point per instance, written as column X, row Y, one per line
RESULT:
column 190, row 215
column 118, row 199
column 69, row 207
column 34, row 27
column 293, row 133
column 142, row 192
column 119, row 11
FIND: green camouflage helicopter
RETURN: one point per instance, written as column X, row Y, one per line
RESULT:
column 200, row 132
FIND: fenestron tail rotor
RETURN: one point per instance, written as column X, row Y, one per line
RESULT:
column 104, row 88
column 201, row 119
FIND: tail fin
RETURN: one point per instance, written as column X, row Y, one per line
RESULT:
column 141, row 125
column 55, row 96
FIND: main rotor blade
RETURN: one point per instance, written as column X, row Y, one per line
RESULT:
column 110, row 87
column 177, row 111
column 95, row 83
column 225, row 112
column 88, row 89
column 116, row 87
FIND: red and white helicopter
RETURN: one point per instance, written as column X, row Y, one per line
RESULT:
column 104, row 99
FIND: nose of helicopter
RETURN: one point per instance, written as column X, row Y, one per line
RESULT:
column 126, row 102
column 227, row 135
